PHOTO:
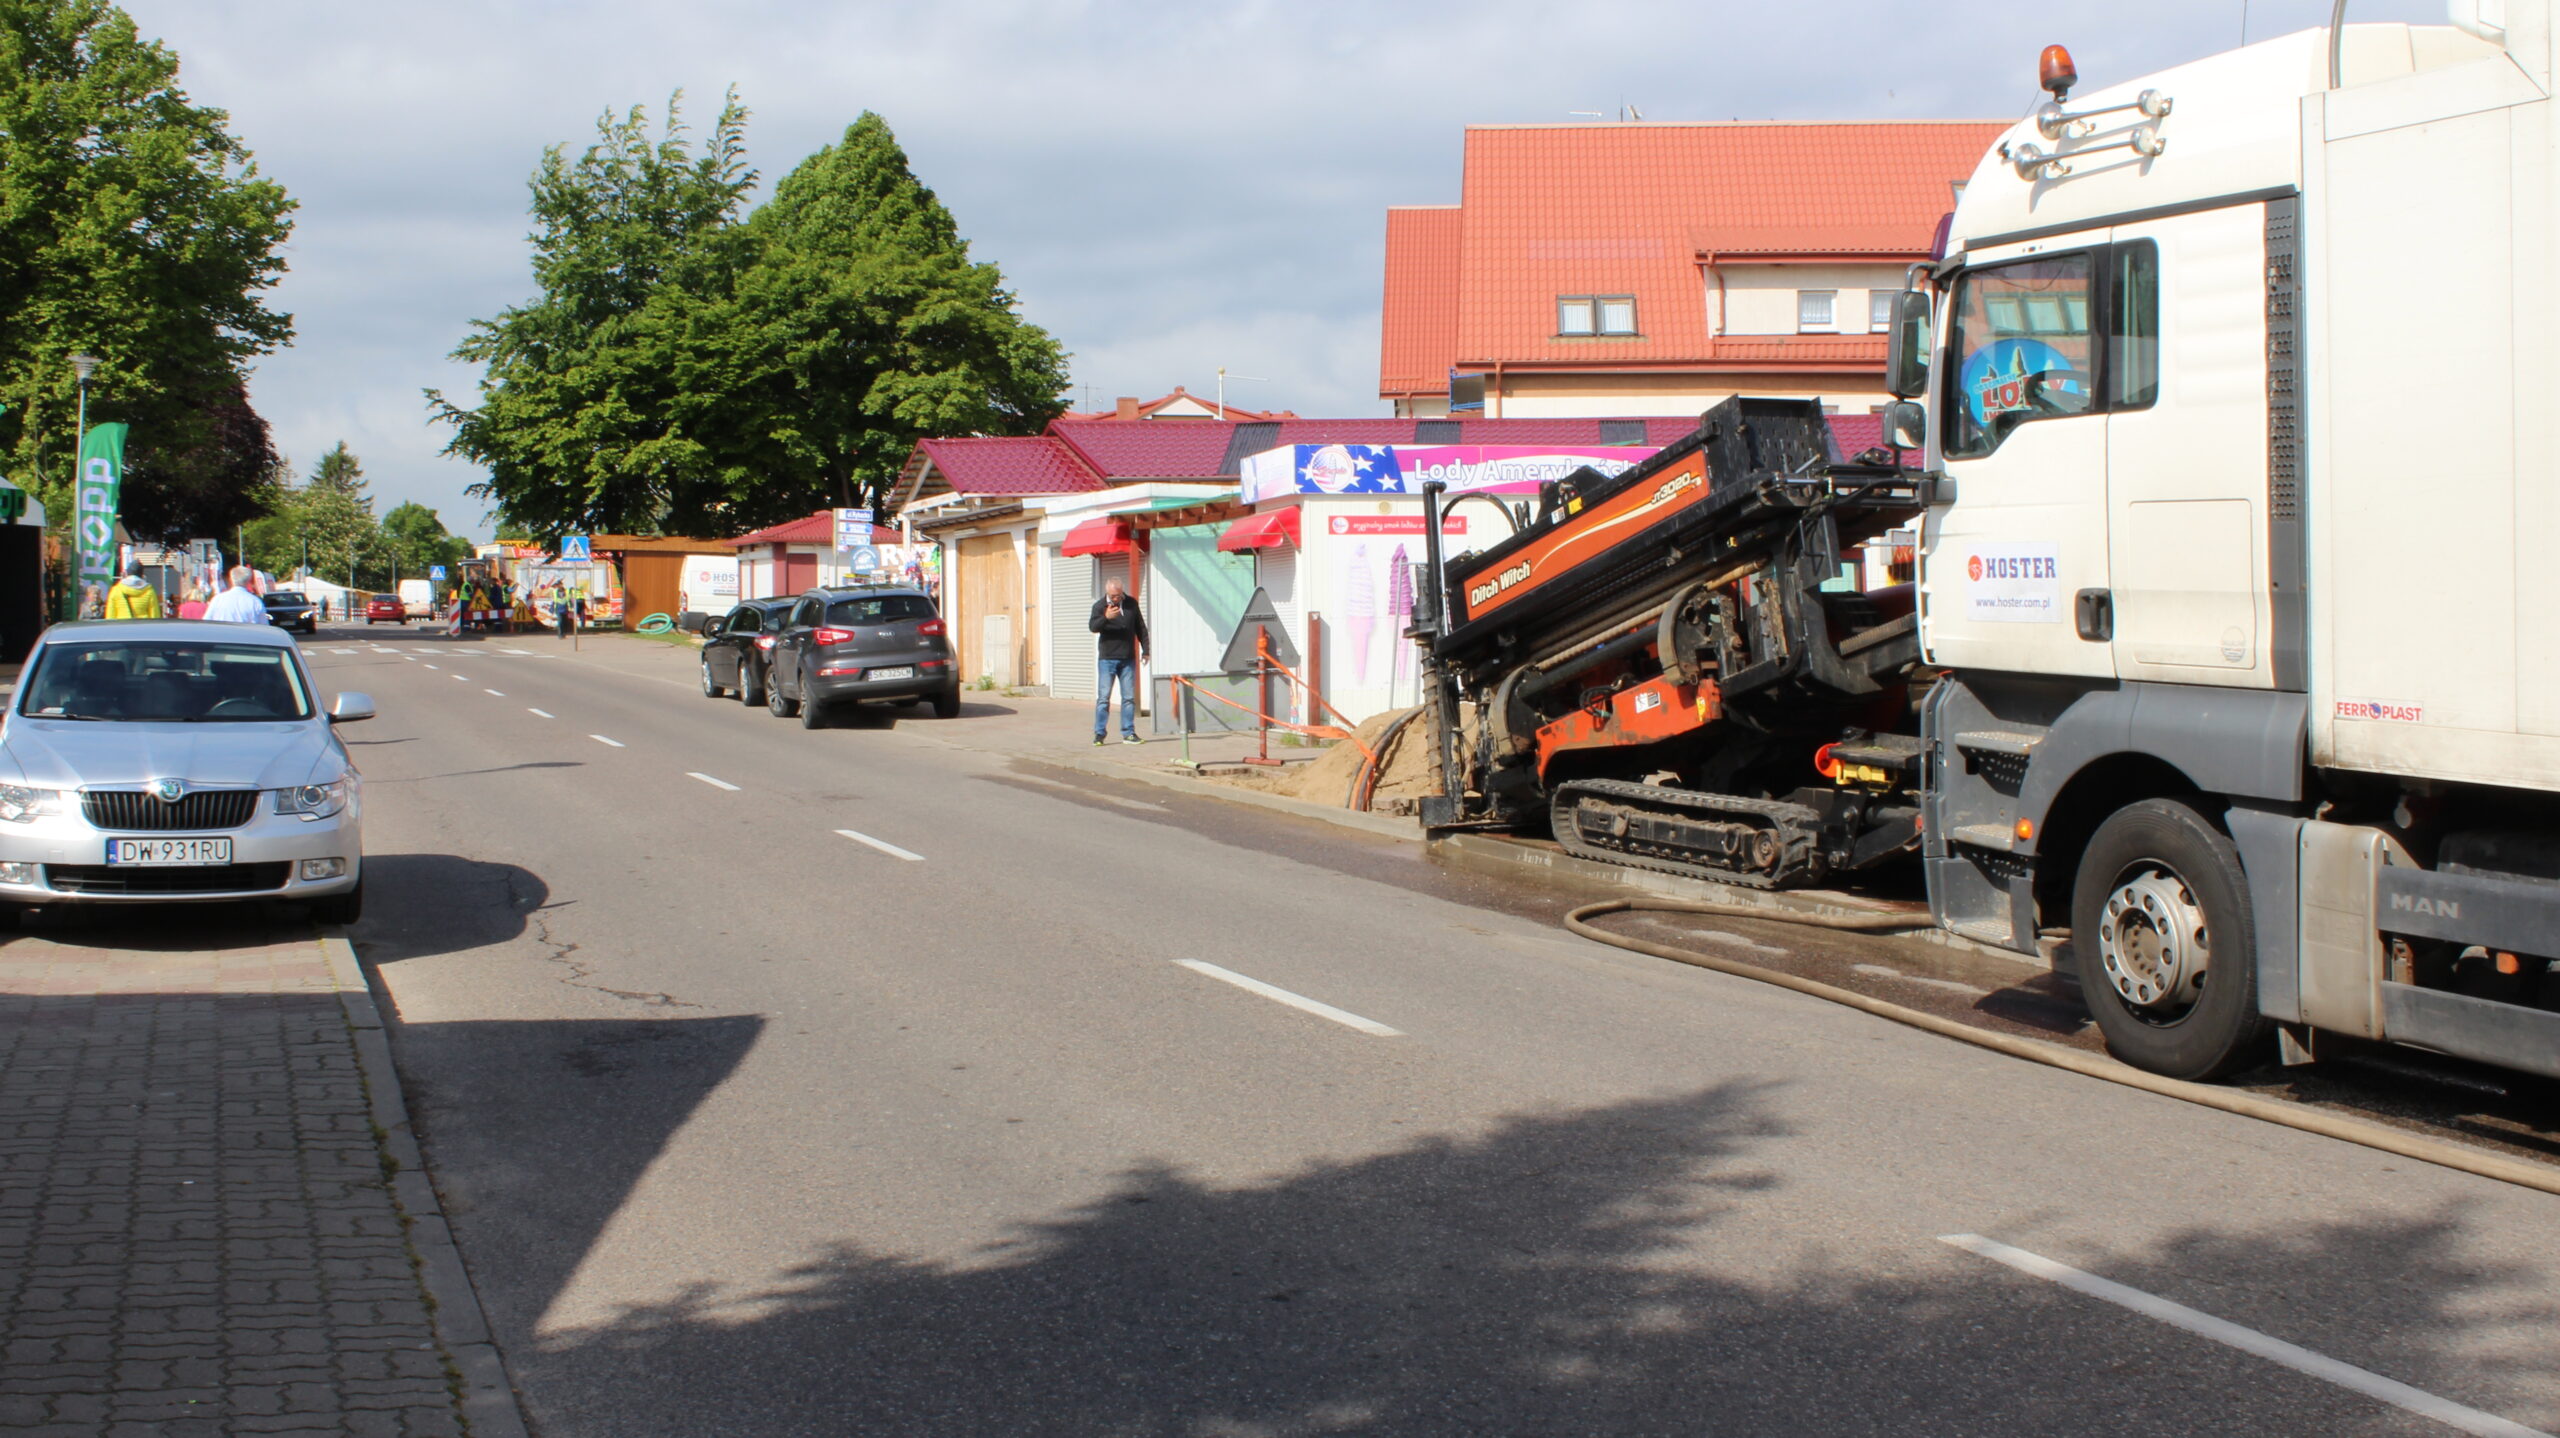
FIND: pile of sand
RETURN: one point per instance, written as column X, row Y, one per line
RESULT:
column 1408, row 770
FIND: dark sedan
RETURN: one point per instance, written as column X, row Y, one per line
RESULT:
column 738, row 645
column 872, row 642
column 291, row 609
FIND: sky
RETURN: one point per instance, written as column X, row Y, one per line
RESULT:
column 1168, row 189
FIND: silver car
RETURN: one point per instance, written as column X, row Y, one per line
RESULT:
column 177, row 760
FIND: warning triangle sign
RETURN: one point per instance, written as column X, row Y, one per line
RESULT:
column 1259, row 614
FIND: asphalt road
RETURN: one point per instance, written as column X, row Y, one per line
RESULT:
column 749, row 1127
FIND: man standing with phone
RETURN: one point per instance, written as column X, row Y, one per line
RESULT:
column 1123, row 644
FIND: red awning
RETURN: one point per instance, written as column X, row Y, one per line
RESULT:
column 1262, row 531
column 1097, row 536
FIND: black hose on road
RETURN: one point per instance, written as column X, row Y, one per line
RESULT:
column 2523, row 1174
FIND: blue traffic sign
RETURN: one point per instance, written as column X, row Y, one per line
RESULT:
column 573, row 549
column 435, row 571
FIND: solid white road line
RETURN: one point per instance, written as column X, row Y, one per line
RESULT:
column 714, row 783
column 892, row 850
column 492, row 693
column 543, row 712
column 1295, row 1001
column 616, row 743
column 2247, row 1340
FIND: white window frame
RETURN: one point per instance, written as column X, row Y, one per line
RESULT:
column 1830, row 321
column 1879, row 311
column 1601, row 305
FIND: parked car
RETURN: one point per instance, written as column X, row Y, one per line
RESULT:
column 385, row 606
column 160, row 760
column 737, row 647
column 865, row 643
column 292, row 609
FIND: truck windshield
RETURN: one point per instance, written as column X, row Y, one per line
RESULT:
column 2021, row 342
column 166, row 683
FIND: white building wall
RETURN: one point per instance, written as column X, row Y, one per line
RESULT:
column 1761, row 299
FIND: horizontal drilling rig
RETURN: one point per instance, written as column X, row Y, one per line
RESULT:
column 1667, row 668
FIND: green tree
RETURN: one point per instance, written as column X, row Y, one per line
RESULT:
column 135, row 227
column 335, row 516
column 685, row 372
column 415, row 540
column 859, row 326
column 576, row 422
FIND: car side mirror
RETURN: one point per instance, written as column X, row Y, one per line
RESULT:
column 1906, row 364
column 1906, row 424
column 350, row 707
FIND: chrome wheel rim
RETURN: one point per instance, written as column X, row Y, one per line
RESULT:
column 2153, row 943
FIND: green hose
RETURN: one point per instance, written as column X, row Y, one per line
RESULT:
column 656, row 624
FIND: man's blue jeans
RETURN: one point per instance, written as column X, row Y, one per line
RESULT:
column 1126, row 671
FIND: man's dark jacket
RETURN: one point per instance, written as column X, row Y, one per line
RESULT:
column 1123, row 636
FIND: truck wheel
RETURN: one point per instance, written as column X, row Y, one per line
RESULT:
column 2166, row 947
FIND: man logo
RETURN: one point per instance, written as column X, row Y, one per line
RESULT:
column 168, row 791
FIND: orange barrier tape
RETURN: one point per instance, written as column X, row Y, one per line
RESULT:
column 1313, row 731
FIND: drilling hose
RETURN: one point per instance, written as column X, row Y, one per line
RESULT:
column 2522, row 1173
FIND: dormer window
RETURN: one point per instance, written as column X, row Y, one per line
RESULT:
column 1581, row 316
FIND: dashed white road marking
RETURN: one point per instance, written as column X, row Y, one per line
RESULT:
column 616, row 743
column 465, row 678
column 342, row 651
column 1301, row 1002
column 714, row 783
column 884, row 846
column 527, row 653
column 492, row 693
column 433, row 666
column 2247, row 1340
column 545, row 713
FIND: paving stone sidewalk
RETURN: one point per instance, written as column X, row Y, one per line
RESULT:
column 198, row 1229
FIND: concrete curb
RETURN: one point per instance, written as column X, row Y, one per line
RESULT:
column 462, row 1328
column 1390, row 825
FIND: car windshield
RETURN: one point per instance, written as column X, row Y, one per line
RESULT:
column 165, row 682
column 282, row 600
column 880, row 609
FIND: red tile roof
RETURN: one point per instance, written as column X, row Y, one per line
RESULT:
column 1146, row 409
column 1550, row 210
column 1418, row 329
column 1029, row 464
column 1122, row 451
column 818, row 528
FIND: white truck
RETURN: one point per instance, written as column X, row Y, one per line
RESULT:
column 2239, row 387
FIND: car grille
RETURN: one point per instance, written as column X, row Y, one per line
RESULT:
column 203, row 879
column 204, row 809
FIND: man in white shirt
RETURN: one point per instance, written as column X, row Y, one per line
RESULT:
column 236, row 605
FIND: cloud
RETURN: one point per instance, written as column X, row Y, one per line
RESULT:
column 1167, row 189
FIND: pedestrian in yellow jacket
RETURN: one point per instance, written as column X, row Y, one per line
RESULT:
column 130, row 598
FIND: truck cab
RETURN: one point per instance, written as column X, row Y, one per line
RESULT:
column 2237, row 408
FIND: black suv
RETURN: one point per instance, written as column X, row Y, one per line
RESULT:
column 872, row 641
column 290, row 609
column 737, row 647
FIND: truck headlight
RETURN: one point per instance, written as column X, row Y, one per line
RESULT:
column 313, row 801
column 21, row 805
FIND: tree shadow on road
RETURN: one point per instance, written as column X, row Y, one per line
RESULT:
column 1629, row 1270
column 419, row 905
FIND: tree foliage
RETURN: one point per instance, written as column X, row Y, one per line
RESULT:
column 687, row 371
column 329, row 522
column 135, row 227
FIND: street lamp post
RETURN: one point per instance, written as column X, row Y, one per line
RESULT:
column 82, row 365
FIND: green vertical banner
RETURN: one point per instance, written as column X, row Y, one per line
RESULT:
column 94, row 508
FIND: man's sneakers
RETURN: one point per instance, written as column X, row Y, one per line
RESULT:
column 1097, row 741
column 1129, row 739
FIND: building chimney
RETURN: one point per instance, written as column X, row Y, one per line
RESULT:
column 1128, row 407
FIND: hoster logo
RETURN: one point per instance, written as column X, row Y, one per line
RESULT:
column 2012, row 566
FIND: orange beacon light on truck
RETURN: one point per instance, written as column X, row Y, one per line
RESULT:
column 2055, row 72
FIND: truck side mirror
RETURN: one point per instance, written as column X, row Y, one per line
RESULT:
column 1906, row 364
column 1906, row 424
